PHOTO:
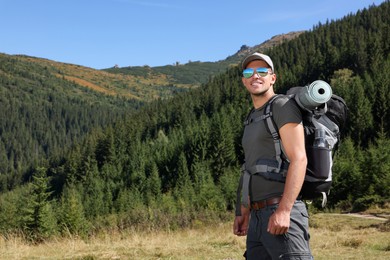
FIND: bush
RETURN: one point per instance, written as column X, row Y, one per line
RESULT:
column 364, row 203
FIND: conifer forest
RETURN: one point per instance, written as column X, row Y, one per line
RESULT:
column 76, row 161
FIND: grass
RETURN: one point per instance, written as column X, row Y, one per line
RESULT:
column 336, row 236
column 333, row 236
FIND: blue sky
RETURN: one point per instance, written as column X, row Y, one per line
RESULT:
column 102, row 33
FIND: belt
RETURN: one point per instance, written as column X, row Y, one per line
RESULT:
column 264, row 203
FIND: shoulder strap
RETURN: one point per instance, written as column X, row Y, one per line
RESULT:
column 273, row 129
column 249, row 120
column 267, row 113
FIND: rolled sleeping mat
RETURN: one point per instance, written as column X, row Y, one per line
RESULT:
column 314, row 95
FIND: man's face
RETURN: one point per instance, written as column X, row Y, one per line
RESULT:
column 257, row 85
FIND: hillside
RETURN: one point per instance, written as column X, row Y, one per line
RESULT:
column 47, row 106
column 143, row 83
column 45, row 110
column 141, row 88
column 175, row 162
column 195, row 73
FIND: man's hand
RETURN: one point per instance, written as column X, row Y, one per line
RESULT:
column 240, row 226
column 279, row 222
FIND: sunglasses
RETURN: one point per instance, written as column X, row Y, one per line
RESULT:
column 262, row 72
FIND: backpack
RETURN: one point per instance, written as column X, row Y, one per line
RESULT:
column 322, row 125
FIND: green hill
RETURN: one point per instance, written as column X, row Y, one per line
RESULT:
column 175, row 162
column 47, row 106
column 45, row 109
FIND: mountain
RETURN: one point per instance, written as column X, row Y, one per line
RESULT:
column 140, row 88
column 144, row 83
column 48, row 106
column 175, row 162
column 195, row 73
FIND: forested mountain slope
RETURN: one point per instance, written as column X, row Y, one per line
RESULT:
column 46, row 106
column 44, row 111
column 176, row 161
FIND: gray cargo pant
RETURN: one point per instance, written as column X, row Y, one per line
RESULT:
column 292, row 245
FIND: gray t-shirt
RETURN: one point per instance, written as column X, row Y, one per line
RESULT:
column 258, row 144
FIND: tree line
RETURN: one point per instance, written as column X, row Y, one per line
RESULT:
column 42, row 114
column 176, row 162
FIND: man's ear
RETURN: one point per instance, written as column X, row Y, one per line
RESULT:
column 273, row 78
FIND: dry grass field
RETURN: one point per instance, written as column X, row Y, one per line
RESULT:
column 334, row 236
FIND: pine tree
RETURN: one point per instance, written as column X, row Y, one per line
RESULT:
column 200, row 139
column 153, row 189
column 347, row 175
column 222, row 142
column 381, row 103
column 71, row 212
column 376, row 169
column 10, row 211
column 208, row 195
column 40, row 222
column 360, row 112
column 184, row 191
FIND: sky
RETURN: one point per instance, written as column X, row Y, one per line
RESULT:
column 104, row 33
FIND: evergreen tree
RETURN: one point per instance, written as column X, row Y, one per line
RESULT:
column 184, row 191
column 153, row 189
column 222, row 142
column 200, row 139
column 381, row 101
column 360, row 112
column 105, row 152
column 228, row 184
column 209, row 196
column 40, row 221
column 376, row 169
column 347, row 175
column 71, row 213
column 93, row 197
column 9, row 211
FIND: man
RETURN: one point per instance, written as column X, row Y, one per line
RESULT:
column 273, row 218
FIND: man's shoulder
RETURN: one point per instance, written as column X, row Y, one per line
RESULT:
column 285, row 110
column 285, row 101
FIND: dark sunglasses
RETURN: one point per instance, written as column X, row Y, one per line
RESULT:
column 247, row 73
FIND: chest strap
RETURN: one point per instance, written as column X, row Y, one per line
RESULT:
column 264, row 168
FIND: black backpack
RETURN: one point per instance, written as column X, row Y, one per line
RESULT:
column 322, row 126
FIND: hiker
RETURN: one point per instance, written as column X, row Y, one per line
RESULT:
column 270, row 213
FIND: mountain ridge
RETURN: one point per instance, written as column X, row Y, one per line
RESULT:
column 145, row 83
column 51, row 105
column 195, row 73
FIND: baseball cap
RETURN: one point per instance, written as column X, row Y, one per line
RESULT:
column 258, row 56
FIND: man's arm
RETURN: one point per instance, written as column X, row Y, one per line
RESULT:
column 293, row 140
column 241, row 220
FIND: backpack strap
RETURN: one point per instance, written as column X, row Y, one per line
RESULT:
column 265, row 168
column 253, row 120
column 273, row 129
column 245, row 186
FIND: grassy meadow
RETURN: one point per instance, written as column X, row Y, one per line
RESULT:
column 333, row 236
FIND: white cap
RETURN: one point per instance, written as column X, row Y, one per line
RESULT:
column 258, row 56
